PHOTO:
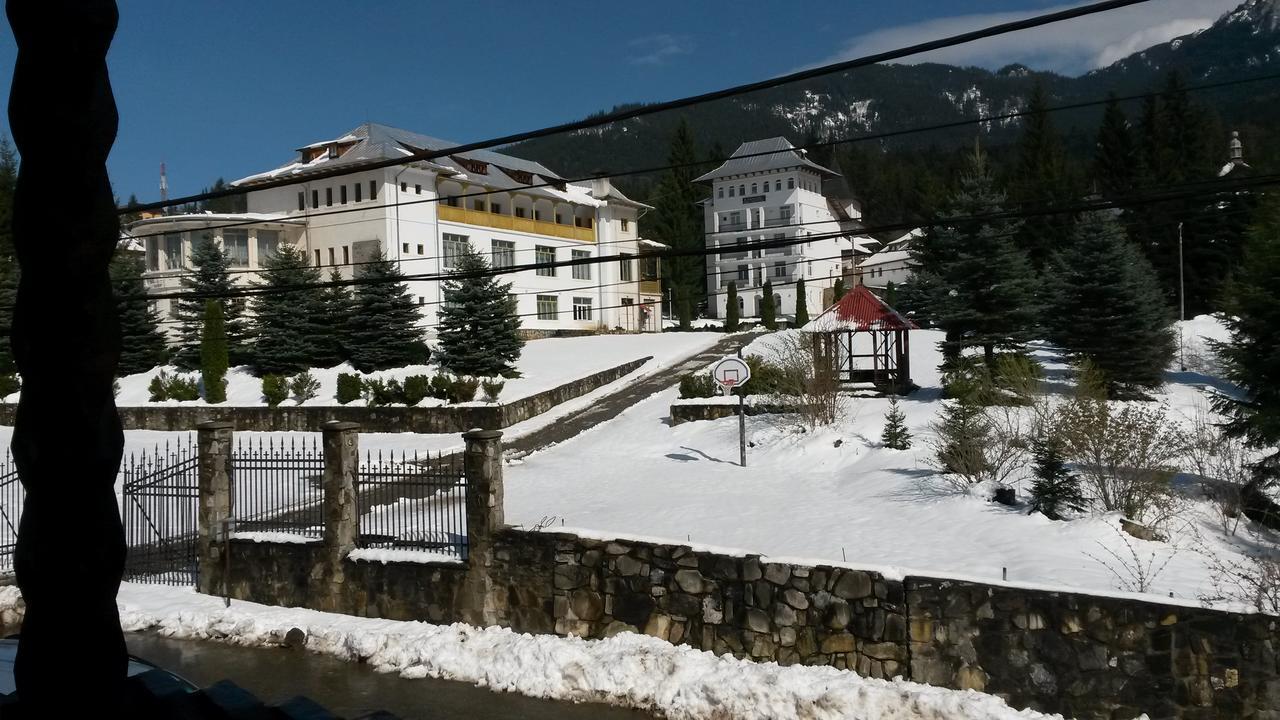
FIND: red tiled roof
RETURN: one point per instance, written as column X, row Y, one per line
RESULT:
column 859, row 309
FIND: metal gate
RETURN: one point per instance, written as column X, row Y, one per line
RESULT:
column 160, row 496
column 12, row 495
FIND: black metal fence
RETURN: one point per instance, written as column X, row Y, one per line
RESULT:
column 277, row 487
column 414, row 503
column 12, row 495
column 159, row 507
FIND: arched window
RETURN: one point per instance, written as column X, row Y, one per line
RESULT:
column 742, row 304
column 755, row 188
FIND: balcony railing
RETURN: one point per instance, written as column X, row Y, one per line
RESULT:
column 777, row 222
column 732, row 227
column 518, row 224
column 651, row 287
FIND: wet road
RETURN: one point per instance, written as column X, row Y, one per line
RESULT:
column 350, row 689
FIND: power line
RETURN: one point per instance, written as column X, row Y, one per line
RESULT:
column 636, row 112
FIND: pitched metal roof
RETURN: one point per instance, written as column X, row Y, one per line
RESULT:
column 781, row 154
column 858, row 310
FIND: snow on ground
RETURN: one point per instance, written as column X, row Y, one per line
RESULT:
column 627, row 670
column 543, row 365
column 836, row 495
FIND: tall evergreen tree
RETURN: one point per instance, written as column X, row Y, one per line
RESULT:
column 838, row 290
column 1040, row 182
column 1252, row 355
column 1105, row 306
column 768, row 308
column 209, row 277
column 1115, row 157
column 337, row 310
column 731, row 313
column 384, row 330
column 802, row 305
column 479, row 327
column 292, row 328
column 213, row 353
column 142, row 343
column 677, row 218
column 972, row 280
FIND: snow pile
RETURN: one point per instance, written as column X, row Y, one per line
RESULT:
column 627, row 670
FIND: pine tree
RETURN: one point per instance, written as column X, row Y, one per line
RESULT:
column 963, row 434
column 384, row 330
column 479, row 327
column 337, row 309
column 1252, row 355
column 838, row 290
column 768, row 308
column 1115, row 156
column 209, row 277
column 142, row 343
column 972, row 280
column 213, row 353
column 1055, row 489
column 802, row 305
column 677, row 218
column 1104, row 306
column 731, row 309
column 895, row 435
column 1040, row 181
column 292, row 328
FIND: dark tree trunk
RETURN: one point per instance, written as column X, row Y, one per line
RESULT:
column 67, row 441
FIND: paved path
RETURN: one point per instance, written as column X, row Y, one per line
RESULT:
column 613, row 404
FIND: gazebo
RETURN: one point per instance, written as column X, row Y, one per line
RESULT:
column 863, row 341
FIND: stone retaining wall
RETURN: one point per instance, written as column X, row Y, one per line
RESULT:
column 690, row 412
column 448, row 419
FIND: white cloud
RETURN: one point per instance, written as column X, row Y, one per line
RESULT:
column 657, row 49
column 1070, row 47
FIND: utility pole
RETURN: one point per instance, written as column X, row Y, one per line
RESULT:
column 1182, row 305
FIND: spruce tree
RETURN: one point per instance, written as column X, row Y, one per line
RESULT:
column 676, row 219
column 838, row 290
column 971, row 279
column 1252, row 355
column 684, row 311
column 1055, row 489
column 731, row 309
column 213, row 353
column 802, row 305
column 209, row 278
column 895, row 435
column 963, row 434
column 142, row 343
column 1040, row 182
column 768, row 308
column 1115, row 156
column 384, row 330
column 337, row 309
column 292, row 328
column 1104, row 306
column 479, row 328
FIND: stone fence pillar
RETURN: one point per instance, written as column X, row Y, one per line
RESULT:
column 213, row 444
column 483, row 466
column 341, row 442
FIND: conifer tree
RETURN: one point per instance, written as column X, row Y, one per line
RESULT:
column 677, row 218
column 802, row 305
column 292, row 329
column 479, row 328
column 963, row 434
column 895, row 434
column 838, row 290
column 768, row 308
column 1115, row 156
column 1055, row 489
column 971, row 279
column 731, row 309
column 142, row 343
column 337, row 309
column 1040, row 182
column 1104, row 306
column 384, row 330
column 213, row 353
column 209, row 278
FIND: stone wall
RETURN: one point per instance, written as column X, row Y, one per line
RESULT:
column 683, row 412
column 447, row 419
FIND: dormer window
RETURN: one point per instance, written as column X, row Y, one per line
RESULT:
column 333, row 152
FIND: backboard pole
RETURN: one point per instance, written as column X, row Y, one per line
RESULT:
column 742, row 424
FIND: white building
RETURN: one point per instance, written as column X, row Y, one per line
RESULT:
column 890, row 264
column 419, row 214
column 777, row 195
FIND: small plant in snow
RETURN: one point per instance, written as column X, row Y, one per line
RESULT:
column 1055, row 490
column 492, row 388
column 1133, row 571
column 895, row 435
column 275, row 388
column 304, row 387
column 960, row 438
column 464, row 389
column 173, row 387
column 416, row 389
column 349, row 388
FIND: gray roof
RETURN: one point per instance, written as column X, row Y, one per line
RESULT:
column 781, row 154
column 376, row 142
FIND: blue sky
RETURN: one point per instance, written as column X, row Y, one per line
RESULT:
column 230, row 88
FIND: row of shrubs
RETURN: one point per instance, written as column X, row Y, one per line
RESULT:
column 766, row 379
column 414, row 389
column 301, row 387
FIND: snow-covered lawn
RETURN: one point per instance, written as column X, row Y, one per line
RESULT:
column 837, row 495
column 543, row 365
column 628, row 670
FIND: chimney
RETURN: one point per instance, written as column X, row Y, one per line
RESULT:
column 601, row 187
column 1237, row 149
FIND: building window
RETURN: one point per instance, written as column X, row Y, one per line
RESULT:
column 545, row 254
column 743, row 273
column 495, row 208
column 342, row 194
column 236, row 244
column 302, row 201
column 417, row 189
column 172, row 251
column 547, row 309
column 720, row 192
column 777, row 184
column 317, row 257
column 404, row 248
column 504, row 253
column 420, row 250
column 581, row 272
column 755, row 188
column 153, row 254
column 625, row 224
column 346, row 255
column 784, row 212
column 520, row 212
column 582, row 308
column 559, row 218
column 730, row 191
column 404, row 187
column 328, row 197
column 451, row 201
column 454, row 247
column 315, row 199
column 780, row 269
column 791, row 183
column 358, row 188
column 373, row 189
column 422, row 300
column 478, row 204
column 333, row 256
column 624, row 267
column 742, row 189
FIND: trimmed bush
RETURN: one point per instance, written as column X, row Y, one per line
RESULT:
column 465, row 388
column 157, row 388
column 275, row 388
column 698, row 385
column 349, row 388
column 492, row 388
column 416, row 389
column 383, row 392
column 441, row 387
column 183, row 388
column 304, row 387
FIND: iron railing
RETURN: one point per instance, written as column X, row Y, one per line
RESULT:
column 277, row 487
column 12, row 495
column 159, row 508
column 413, row 503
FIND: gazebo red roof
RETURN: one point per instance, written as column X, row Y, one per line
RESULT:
column 858, row 310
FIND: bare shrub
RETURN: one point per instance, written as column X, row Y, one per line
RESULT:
column 1225, row 464
column 812, row 387
column 1253, row 579
column 1133, row 571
